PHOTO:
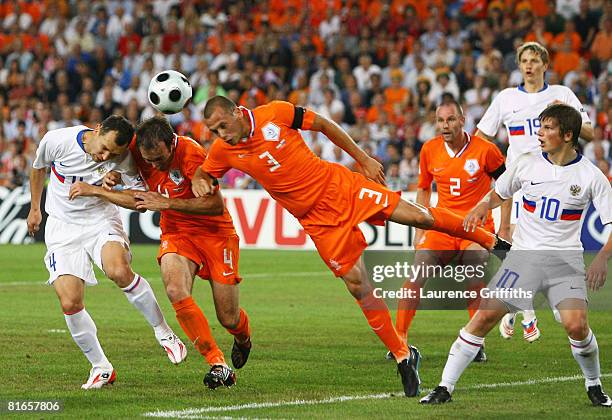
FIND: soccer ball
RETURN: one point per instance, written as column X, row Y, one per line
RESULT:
column 169, row 91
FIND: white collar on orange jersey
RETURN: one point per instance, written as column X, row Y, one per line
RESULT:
column 248, row 113
column 460, row 152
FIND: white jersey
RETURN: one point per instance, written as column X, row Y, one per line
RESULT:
column 519, row 110
column 63, row 151
column 554, row 200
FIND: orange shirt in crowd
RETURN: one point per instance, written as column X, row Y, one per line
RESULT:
column 565, row 62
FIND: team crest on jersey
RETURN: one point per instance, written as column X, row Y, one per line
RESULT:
column 575, row 190
column 471, row 166
column 176, row 176
column 271, row 132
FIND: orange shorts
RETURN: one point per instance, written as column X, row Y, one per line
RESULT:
column 216, row 256
column 332, row 224
column 439, row 241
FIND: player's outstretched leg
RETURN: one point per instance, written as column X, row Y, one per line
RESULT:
column 463, row 351
column 138, row 291
column 379, row 319
column 444, row 220
column 70, row 291
column 584, row 349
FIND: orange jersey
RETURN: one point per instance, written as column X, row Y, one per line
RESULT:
column 276, row 156
column 176, row 183
column 462, row 179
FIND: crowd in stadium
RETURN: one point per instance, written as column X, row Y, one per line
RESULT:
column 377, row 67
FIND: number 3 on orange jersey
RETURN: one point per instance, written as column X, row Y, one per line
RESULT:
column 372, row 194
column 271, row 161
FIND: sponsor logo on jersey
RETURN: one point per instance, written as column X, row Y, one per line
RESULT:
column 176, row 176
column 471, row 166
column 271, row 132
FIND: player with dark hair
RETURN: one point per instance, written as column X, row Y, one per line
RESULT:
column 89, row 229
column 328, row 200
column 197, row 238
column 557, row 186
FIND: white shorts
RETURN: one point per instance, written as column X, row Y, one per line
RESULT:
column 559, row 275
column 71, row 248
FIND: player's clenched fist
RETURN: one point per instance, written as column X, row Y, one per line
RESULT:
column 80, row 189
column 110, row 180
column 476, row 217
column 201, row 183
column 34, row 220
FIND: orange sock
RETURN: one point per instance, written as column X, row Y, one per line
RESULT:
column 406, row 310
column 450, row 223
column 473, row 304
column 195, row 325
column 379, row 318
column 242, row 332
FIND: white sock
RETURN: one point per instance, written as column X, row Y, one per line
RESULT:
column 83, row 332
column 586, row 353
column 140, row 294
column 461, row 354
column 528, row 316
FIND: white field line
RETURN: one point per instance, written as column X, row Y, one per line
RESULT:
column 158, row 279
column 200, row 412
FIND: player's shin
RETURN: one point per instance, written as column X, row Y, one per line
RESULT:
column 461, row 354
column 84, row 333
column 195, row 325
column 242, row 332
column 140, row 294
column 379, row 319
column 586, row 353
column 406, row 310
column 452, row 224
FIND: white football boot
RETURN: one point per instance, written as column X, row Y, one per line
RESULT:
column 176, row 350
column 99, row 377
column 506, row 326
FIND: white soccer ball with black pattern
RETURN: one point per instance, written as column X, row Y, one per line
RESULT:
column 169, row 91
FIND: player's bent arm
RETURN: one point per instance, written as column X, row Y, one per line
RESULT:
column 123, row 198
column 210, row 205
column 484, row 136
column 37, row 183
column 586, row 131
column 371, row 167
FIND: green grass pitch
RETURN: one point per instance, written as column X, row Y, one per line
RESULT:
column 310, row 342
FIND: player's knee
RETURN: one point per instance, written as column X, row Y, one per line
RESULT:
column 121, row 274
column 577, row 328
column 354, row 282
column 176, row 292
column 484, row 320
column 228, row 318
column 71, row 305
